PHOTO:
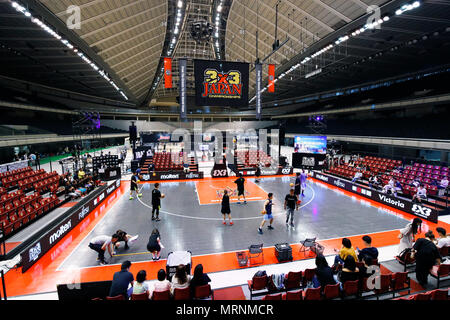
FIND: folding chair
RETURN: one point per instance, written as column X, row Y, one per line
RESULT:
column 255, row 251
column 307, row 243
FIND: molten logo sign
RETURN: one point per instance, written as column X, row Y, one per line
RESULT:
column 222, row 85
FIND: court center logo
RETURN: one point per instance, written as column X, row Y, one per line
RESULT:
column 222, row 84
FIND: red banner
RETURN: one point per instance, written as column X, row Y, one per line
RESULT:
column 271, row 87
column 167, row 73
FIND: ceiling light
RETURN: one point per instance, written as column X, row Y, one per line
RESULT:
column 180, row 4
column 219, row 8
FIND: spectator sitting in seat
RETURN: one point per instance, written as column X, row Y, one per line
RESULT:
column 181, row 279
column 358, row 175
column 363, row 269
column 346, row 250
column 415, row 183
column 324, row 274
column 443, row 184
column 420, row 195
column 427, row 255
column 199, row 278
column 349, row 272
column 397, row 187
column 121, row 281
column 81, row 174
column 373, row 181
column 390, row 186
column 140, row 286
column 162, row 284
column 368, row 251
column 444, row 239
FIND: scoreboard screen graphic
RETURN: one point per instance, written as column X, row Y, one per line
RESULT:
column 310, row 144
column 221, row 83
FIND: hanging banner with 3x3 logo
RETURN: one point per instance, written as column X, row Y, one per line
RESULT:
column 167, row 73
column 271, row 72
column 220, row 83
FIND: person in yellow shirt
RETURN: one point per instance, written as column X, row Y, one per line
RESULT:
column 345, row 251
column 81, row 174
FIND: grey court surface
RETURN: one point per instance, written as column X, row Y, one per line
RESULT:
column 187, row 225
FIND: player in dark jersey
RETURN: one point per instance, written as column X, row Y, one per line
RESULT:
column 267, row 211
column 156, row 202
column 290, row 204
column 240, row 182
column 226, row 210
column 134, row 186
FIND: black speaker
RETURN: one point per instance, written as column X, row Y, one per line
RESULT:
column 133, row 133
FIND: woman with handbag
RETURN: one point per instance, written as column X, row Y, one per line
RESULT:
column 407, row 234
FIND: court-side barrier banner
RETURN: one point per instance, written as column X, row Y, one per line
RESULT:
column 13, row 166
column 268, row 171
column 220, row 83
column 219, row 170
column 171, row 176
column 50, row 238
column 391, row 201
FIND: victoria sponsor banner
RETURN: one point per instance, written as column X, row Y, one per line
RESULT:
column 172, row 176
column 74, row 216
column 221, row 83
column 391, row 201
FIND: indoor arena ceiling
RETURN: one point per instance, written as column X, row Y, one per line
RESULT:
column 127, row 40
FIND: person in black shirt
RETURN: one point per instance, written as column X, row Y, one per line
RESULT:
column 156, row 202
column 240, row 188
column 154, row 244
column 290, row 204
column 324, row 274
column 297, row 188
column 258, row 172
column 427, row 255
column 121, row 281
column 349, row 271
column 368, row 251
column 226, row 210
column 134, row 186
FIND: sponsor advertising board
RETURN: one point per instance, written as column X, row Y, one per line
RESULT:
column 171, row 176
column 74, row 216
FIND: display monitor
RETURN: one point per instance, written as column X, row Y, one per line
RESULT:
column 310, row 144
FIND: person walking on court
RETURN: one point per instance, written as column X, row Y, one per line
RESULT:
column 134, row 186
column 154, row 245
column 267, row 211
column 226, row 210
column 290, row 204
column 156, row 202
column 303, row 177
column 240, row 188
column 297, row 187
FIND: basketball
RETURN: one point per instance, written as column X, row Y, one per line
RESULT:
column 291, row 185
column 163, row 195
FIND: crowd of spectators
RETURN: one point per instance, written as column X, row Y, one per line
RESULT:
column 79, row 184
column 124, row 283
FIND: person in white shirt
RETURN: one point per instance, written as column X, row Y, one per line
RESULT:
column 140, row 286
column 443, row 239
column 443, row 184
column 390, row 186
column 162, row 284
column 415, row 183
column 421, row 194
column 102, row 243
column 358, row 175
